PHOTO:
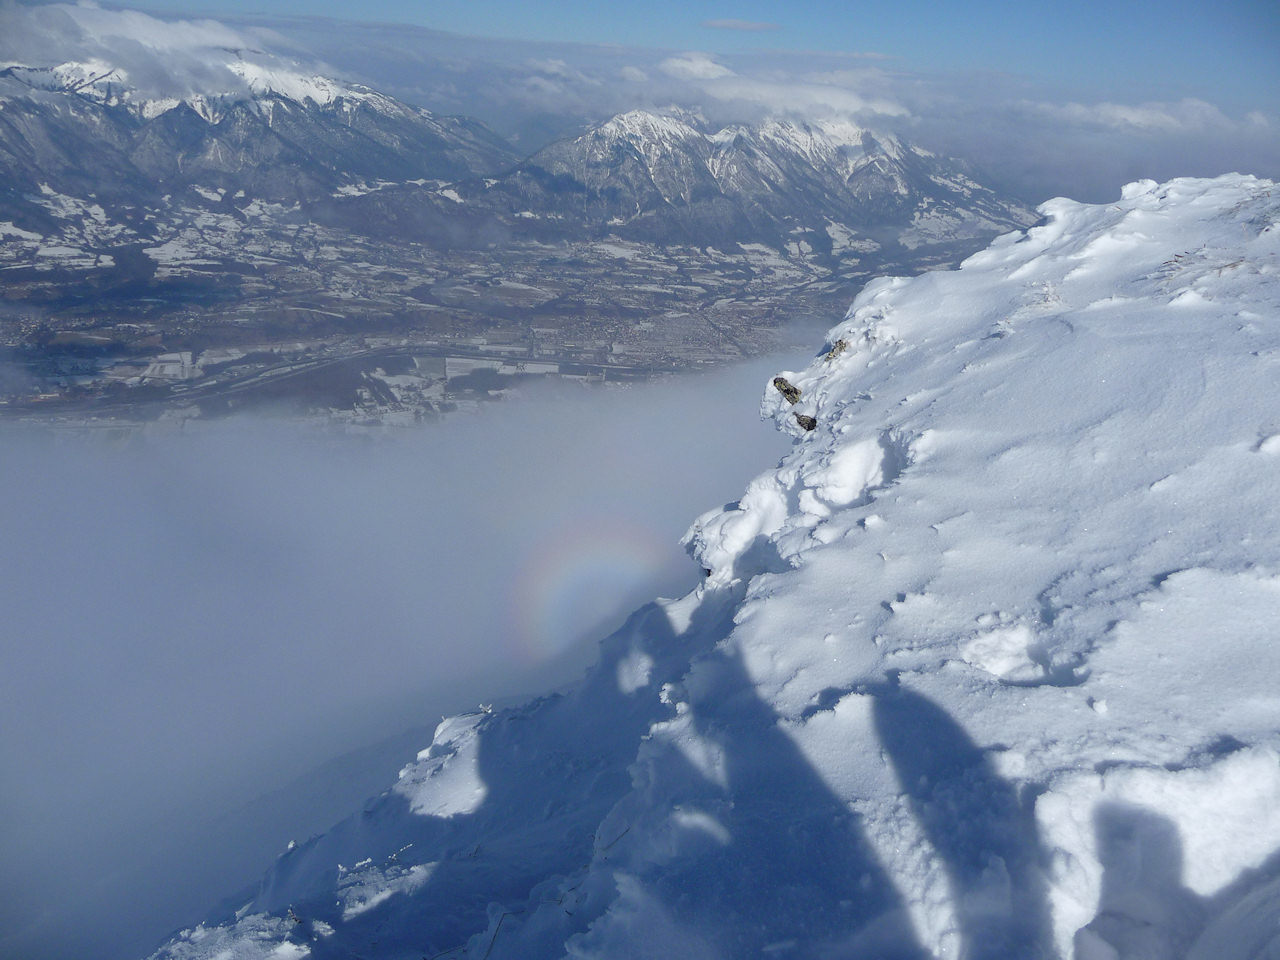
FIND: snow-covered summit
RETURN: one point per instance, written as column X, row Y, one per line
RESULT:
column 818, row 139
column 233, row 81
column 148, row 65
column 642, row 126
column 830, row 183
column 165, row 106
column 825, row 142
column 984, row 667
column 264, row 79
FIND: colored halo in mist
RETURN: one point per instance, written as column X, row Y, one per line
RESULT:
column 580, row 582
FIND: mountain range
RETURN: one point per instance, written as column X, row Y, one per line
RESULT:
column 667, row 178
column 281, row 206
column 80, row 129
column 662, row 177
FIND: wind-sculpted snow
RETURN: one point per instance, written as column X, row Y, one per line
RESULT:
column 985, row 667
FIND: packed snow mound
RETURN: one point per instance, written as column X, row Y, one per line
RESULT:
column 984, row 668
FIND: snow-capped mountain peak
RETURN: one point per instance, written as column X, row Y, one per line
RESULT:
column 264, row 80
column 818, row 140
column 147, row 64
column 240, row 119
column 234, row 81
column 766, row 180
column 646, row 126
column 88, row 77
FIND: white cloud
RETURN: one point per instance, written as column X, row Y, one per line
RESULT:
column 160, row 35
column 559, row 68
column 160, row 58
column 839, row 93
column 1185, row 115
column 1042, row 146
column 633, row 74
column 814, row 100
column 694, row 66
column 541, row 86
column 848, row 78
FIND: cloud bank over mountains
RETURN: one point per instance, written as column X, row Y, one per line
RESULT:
column 157, row 58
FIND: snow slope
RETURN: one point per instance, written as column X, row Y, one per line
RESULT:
column 985, row 667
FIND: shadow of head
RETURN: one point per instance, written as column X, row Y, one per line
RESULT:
column 1137, row 848
column 1144, row 910
column 981, row 828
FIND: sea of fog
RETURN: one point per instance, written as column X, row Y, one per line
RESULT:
column 198, row 621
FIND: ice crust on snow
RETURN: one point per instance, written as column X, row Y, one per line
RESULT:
column 984, row 667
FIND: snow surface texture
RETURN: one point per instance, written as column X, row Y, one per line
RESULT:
column 984, row 668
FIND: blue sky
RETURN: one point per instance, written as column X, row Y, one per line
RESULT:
column 1128, row 49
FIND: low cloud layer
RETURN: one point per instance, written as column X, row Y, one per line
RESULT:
column 156, row 57
column 192, row 619
column 695, row 66
column 1189, row 115
column 1086, row 150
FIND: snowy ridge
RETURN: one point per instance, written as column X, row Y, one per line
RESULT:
column 983, row 668
column 642, row 126
column 240, row 80
column 244, row 124
column 777, row 182
column 838, row 148
column 263, row 79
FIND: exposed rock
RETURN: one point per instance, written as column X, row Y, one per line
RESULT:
column 790, row 392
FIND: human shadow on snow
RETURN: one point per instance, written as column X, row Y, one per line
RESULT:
column 551, row 770
column 978, row 825
column 1146, row 910
column 751, row 855
column 1143, row 908
column 788, row 870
